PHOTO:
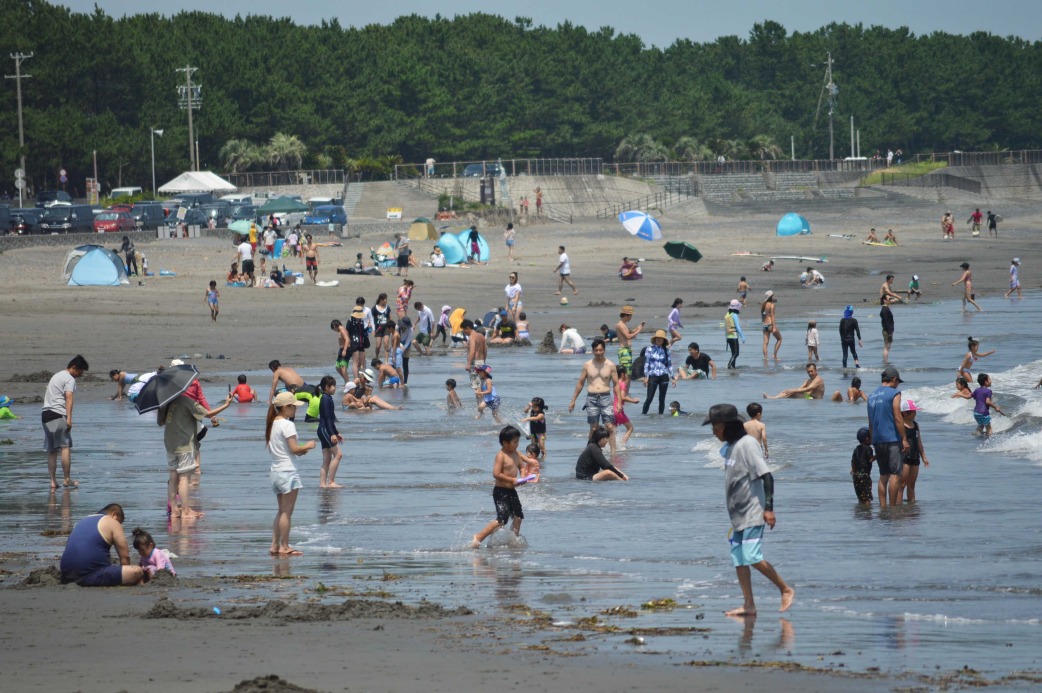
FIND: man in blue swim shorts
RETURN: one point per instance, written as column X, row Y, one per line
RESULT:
column 750, row 503
column 601, row 379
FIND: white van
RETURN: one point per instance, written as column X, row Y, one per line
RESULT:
column 238, row 199
column 124, row 192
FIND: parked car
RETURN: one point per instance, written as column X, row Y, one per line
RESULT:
column 113, row 222
column 66, row 218
column 148, row 215
column 194, row 216
column 47, row 198
column 121, row 207
column 26, row 221
column 244, row 211
column 481, row 170
column 124, row 192
column 218, row 211
column 326, row 214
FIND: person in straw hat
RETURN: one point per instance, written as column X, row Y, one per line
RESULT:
column 658, row 370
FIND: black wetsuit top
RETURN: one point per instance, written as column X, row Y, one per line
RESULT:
column 591, row 461
column 848, row 327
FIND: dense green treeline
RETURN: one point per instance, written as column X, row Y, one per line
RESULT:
column 481, row 86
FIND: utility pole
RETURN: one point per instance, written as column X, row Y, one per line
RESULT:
column 19, row 58
column 190, row 98
column 833, row 91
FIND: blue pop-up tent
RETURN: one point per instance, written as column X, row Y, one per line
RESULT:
column 793, row 225
column 92, row 265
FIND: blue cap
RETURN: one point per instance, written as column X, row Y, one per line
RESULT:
column 5, row 401
column 848, row 312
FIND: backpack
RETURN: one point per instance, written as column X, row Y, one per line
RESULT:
column 637, row 369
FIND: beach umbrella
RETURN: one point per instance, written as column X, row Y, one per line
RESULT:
column 240, row 225
column 641, row 225
column 682, row 251
column 167, row 385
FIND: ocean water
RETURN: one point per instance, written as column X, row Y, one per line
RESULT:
column 951, row 581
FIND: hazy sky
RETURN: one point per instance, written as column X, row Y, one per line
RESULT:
column 657, row 22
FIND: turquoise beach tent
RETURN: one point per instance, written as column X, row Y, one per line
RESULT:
column 452, row 249
column 463, row 237
column 793, row 225
column 92, row 265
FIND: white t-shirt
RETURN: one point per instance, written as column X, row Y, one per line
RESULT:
column 571, row 339
column 566, row 265
column 437, row 259
column 513, row 291
column 368, row 318
column 269, row 237
column 54, row 398
column 245, row 251
column 278, row 447
column 425, row 321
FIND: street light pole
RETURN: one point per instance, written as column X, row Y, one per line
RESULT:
column 153, row 134
column 188, row 103
column 19, row 58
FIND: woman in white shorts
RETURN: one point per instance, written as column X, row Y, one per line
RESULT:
column 281, row 436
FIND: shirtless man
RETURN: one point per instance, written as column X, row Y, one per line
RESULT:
column 812, row 388
column 602, row 380
column 343, row 351
column 626, row 335
column 477, row 352
column 886, row 292
column 284, row 374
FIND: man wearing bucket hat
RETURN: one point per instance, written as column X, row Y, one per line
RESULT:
column 887, row 435
column 749, row 487
column 626, row 336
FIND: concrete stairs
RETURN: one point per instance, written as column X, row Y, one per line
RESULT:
column 376, row 197
column 352, row 196
column 725, row 188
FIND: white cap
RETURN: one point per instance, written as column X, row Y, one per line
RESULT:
column 915, row 277
column 177, row 362
column 1016, row 261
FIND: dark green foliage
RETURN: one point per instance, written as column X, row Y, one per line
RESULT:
column 481, row 87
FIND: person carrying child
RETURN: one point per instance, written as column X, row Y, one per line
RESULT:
column 508, row 470
column 152, row 559
column 861, row 467
column 916, row 452
column 536, row 419
column 489, row 399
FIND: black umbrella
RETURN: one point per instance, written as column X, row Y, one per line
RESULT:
column 682, row 251
column 164, row 387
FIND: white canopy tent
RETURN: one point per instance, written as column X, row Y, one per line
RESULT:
column 197, row 181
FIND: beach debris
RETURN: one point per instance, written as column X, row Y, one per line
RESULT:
column 269, row 684
column 635, row 640
column 309, row 612
column 666, row 604
column 217, row 610
column 620, row 611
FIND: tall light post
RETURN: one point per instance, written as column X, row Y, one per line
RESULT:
column 190, row 97
column 153, row 135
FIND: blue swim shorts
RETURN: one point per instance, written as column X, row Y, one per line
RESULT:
column 393, row 380
column 982, row 419
column 746, row 546
column 109, row 576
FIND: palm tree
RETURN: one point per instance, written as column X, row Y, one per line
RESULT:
column 285, row 151
column 240, row 155
column 641, row 147
column 764, row 147
column 690, row 149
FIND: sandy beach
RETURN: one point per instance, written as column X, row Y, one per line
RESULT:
column 68, row 638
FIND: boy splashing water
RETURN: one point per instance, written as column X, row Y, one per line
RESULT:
column 508, row 467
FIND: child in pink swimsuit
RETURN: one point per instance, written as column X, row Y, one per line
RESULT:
column 152, row 559
column 618, row 403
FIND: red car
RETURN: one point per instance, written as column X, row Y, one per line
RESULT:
column 113, row 222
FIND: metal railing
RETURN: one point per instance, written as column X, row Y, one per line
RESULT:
column 658, row 200
column 1023, row 156
column 274, row 179
column 931, row 180
column 513, row 167
column 706, row 168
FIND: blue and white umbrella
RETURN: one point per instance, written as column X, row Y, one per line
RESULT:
column 641, row 225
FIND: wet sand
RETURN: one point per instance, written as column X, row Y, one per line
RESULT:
column 101, row 640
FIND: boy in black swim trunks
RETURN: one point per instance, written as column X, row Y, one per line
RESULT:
column 508, row 467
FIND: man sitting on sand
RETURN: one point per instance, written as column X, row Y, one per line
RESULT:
column 812, row 388
column 86, row 559
column 872, row 238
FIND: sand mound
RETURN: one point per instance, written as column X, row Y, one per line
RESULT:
column 287, row 611
column 269, row 684
column 548, row 345
column 41, row 577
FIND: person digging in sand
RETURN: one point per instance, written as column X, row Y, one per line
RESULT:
column 750, row 503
